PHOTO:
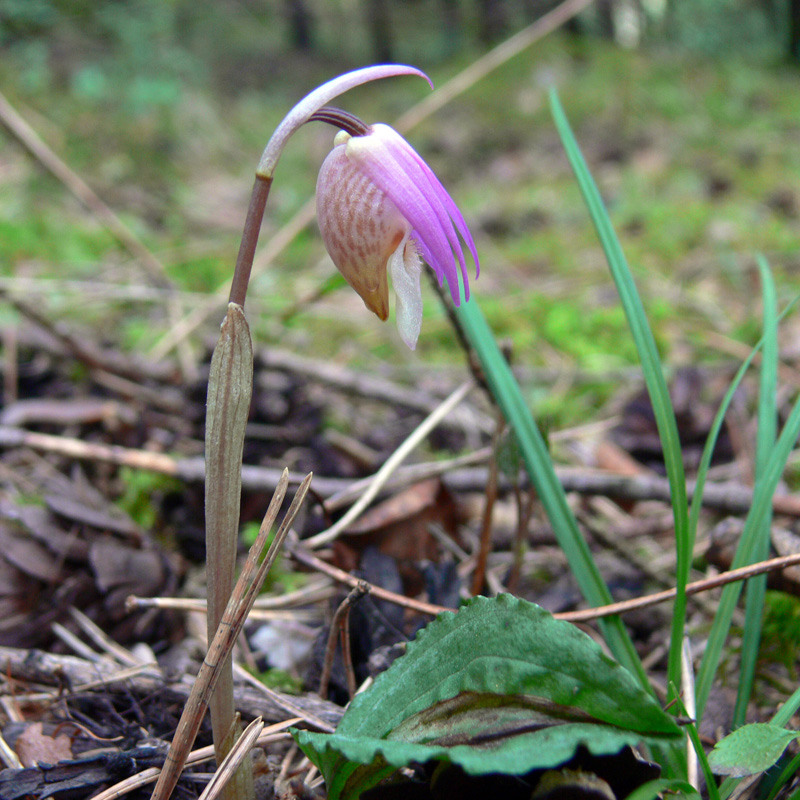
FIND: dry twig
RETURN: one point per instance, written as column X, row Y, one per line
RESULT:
column 728, row 498
column 340, row 628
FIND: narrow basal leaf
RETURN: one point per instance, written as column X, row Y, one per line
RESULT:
column 765, row 441
column 509, row 397
column 653, row 376
column 500, row 686
column 230, row 385
column 750, row 749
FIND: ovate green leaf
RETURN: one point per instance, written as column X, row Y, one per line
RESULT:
column 750, row 749
column 500, row 686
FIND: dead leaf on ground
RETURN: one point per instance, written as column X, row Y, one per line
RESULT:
column 36, row 747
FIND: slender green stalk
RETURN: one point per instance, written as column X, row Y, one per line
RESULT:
column 653, row 376
column 694, row 738
column 765, row 441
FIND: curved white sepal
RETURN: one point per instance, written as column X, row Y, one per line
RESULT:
column 405, row 267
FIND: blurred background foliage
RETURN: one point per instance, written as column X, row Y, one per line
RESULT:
column 141, row 53
column 686, row 109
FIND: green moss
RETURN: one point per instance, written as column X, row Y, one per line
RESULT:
column 780, row 634
column 142, row 494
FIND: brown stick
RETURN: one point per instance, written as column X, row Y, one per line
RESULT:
column 302, row 555
column 490, row 498
column 340, row 629
column 728, row 498
column 743, row 573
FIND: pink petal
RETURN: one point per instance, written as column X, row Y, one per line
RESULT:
column 420, row 200
column 447, row 211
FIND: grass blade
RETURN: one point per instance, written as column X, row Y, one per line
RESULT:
column 653, row 376
column 784, row 714
column 765, row 441
column 508, row 395
column 745, row 552
column 711, row 442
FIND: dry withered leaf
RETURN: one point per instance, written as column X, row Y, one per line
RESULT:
column 35, row 747
column 399, row 526
column 121, row 570
column 28, row 556
column 106, row 518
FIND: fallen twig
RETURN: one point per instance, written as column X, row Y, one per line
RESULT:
column 728, row 498
column 741, row 574
column 273, row 733
column 303, row 556
column 771, row 565
column 391, row 465
column 231, row 624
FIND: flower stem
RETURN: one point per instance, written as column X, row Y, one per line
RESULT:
column 247, row 248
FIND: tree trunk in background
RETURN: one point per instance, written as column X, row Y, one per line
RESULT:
column 379, row 23
column 492, row 20
column 300, row 23
column 605, row 17
column 794, row 30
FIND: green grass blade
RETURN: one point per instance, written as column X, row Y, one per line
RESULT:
column 765, row 441
column 653, row 375
column 508, row 395
column 716, row 427
column 745, row 552
column 787, row 772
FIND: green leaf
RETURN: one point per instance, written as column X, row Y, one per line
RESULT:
column 654, row 789
column 653, row 376
column 508, row 395
column 750, row 749
column 500, row 686
column 765, row 441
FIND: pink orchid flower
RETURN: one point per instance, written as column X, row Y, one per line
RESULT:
column 381, row 209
